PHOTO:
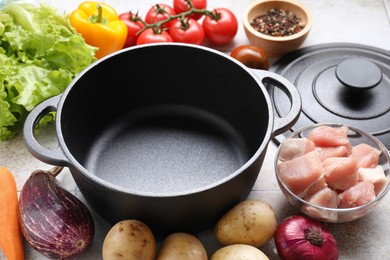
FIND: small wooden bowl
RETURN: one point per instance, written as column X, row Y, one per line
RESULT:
column 276, row 46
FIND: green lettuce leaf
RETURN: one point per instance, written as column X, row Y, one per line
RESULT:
column 40, row 54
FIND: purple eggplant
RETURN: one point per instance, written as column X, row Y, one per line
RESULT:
column 53, row 221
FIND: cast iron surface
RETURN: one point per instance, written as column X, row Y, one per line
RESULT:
column 164, row 143
column 166, row 150
column 175, row 149
column 175, row 132
column 357, row 100
column 358, row 73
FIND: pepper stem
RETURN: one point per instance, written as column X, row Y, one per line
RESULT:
column 99, row 18
column 314, row 237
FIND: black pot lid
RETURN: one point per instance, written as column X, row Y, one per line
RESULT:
column 339, row 83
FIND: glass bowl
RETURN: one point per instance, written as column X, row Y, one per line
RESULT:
column 336, row 214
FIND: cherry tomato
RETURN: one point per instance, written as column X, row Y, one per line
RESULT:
column 160, row 12
column 182, row 6
column 251, row 56
column 133, row 26
column 149, row 36
column 188, row 31
column 223, row 28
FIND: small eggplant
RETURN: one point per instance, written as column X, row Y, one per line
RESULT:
column 53, row 221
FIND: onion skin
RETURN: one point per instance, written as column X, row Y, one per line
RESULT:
column 53, row 221
column 292, row 240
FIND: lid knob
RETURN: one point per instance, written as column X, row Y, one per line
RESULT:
column 358, row 73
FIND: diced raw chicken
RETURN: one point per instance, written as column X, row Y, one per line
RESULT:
column 323, row 169
column 317, row 186
column 358, row 195
column 326, row 136
column 301, row 173
column 340, row 172
column 366, row 155
column 294, row 147
column 374, row 175
column 338, row 151
column 320, row 214
column 324, row 198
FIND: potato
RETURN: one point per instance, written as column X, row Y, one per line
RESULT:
column 251, row 222
column 239, row 252
column 129, row 239
column 181, row 246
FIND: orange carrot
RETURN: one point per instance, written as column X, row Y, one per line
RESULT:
column 11, row 239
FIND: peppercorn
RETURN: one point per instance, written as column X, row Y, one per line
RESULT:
column 277, row 22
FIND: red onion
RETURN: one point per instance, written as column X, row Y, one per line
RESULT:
column 299, row 237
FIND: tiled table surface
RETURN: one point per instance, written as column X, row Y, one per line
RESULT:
column 355, row 21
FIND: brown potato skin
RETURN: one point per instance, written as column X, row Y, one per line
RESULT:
column 181, row 246
column 129, row 239
column 251, row 222
column 239, row 252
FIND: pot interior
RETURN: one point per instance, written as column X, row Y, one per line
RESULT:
column 164, row 118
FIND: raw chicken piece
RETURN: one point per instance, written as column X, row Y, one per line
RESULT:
column 338, row 151
column 366, row 155
column 359, row 194
column 301, row 173
column 374, row 175
column 326, row 136
column 317, row 186
column 324, row 198
column 340, row 172
column 294, row 147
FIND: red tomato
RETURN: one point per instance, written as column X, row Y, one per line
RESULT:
column 223, row 28
column 160, row 12
column 188, row 31
column 149, row 36
column 133, row 26
column 182, row 6
column 251, row 56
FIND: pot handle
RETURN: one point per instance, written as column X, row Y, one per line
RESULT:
column 282, row 124
column 50, row 156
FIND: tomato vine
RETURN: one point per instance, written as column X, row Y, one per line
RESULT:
column 184, row 17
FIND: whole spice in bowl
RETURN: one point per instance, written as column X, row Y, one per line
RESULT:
column 278, row 22
column 277, row 26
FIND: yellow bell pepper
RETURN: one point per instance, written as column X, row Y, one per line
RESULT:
column 100, row 26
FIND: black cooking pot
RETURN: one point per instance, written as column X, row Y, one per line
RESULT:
column 170, row 134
